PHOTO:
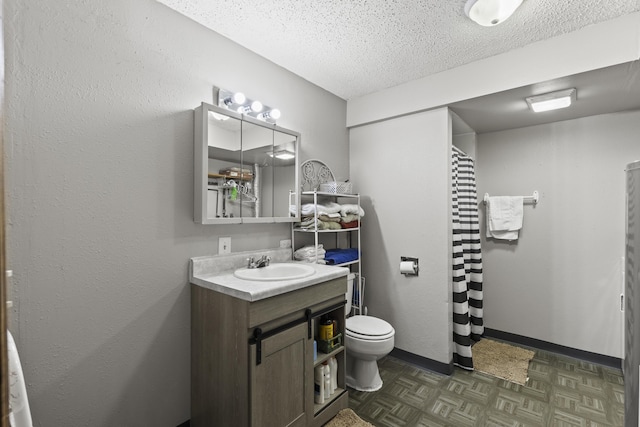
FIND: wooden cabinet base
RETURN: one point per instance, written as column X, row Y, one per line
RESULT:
column 252, row 362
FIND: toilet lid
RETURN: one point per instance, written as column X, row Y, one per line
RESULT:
column 368, row 327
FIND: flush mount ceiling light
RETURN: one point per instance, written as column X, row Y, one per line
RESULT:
column 283, row 155
column 237, row 101
column 552, row 100
column 490, row 12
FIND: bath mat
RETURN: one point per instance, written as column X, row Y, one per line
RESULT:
column 502, row 360
column 347, row 418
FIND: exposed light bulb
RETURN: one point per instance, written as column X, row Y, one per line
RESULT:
column 274, row 114
column 239, row 98
column 256, row 106
column 236, row 98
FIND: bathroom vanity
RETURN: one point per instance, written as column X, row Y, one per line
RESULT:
column 252, row 345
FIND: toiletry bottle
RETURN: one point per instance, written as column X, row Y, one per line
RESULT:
column 318, row 387
column 326, row 330
column 327, row 380
column 333, row 364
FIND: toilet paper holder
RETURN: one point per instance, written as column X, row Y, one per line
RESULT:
column 409, row 266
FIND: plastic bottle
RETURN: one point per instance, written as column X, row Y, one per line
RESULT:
column 326, row 330
column 333, row 364
column 327, row 380
column 318, row 388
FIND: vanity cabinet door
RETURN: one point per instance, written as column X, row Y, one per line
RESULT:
column 280, row 394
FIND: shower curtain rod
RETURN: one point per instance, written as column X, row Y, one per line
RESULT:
column 459, row 150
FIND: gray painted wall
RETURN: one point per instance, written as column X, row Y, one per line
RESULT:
column 401, row 167
column 561, row 281
column 99, row 129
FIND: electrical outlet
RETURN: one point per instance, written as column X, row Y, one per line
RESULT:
column 224, row 245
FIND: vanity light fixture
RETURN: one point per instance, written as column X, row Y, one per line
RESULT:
column 237, row 101
column 283, row 155
column 490, row 12
column 552, row 101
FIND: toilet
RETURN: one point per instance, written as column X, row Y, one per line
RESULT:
column 367, row 339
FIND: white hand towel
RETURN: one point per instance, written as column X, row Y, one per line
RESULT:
column 504, row 217
column 506, row 213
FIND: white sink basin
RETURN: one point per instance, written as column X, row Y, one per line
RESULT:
column 274, row 272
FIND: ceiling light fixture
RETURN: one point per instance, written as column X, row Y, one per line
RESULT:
column 552, row 100
column 283, row 155
column 490, row 12
column 237, row 101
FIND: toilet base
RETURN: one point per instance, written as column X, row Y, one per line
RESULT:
column 363, row 375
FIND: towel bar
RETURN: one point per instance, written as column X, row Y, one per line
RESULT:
column 534, row 198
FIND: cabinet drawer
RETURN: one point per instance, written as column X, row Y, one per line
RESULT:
column 268, row 309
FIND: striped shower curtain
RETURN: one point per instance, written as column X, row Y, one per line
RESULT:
column 467, row 262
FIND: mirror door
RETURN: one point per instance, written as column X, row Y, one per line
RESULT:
column 257, row 157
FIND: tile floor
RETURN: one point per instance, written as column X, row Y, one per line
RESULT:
column 561, row 391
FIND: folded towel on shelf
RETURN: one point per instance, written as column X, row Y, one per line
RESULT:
column 340, row 256
column 311, row 223
column 350, row 224
column 504, row 216
column 329, row 225
column 330, row 217
column 325, row 208
column 308, row 254
column 351, row 209
column 350, row 217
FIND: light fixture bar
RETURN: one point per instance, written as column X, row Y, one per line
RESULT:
column 552, row 101
column 237, row 101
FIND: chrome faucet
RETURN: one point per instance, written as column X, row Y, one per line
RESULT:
column 262, row 262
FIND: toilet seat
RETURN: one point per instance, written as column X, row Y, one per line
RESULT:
column 368, row 328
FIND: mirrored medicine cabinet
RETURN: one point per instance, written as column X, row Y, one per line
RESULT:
column 246, row 169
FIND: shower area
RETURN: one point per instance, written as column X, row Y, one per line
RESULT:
column 568, row 257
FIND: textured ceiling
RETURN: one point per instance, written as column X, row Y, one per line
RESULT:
column 356, row 47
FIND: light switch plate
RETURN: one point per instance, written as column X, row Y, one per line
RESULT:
column 224, row 245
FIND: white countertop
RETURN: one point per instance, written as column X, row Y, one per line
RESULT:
column 248, row 290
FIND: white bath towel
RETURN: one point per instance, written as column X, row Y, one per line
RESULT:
column 351, row 209
column 309, row 209
column 504, row 217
